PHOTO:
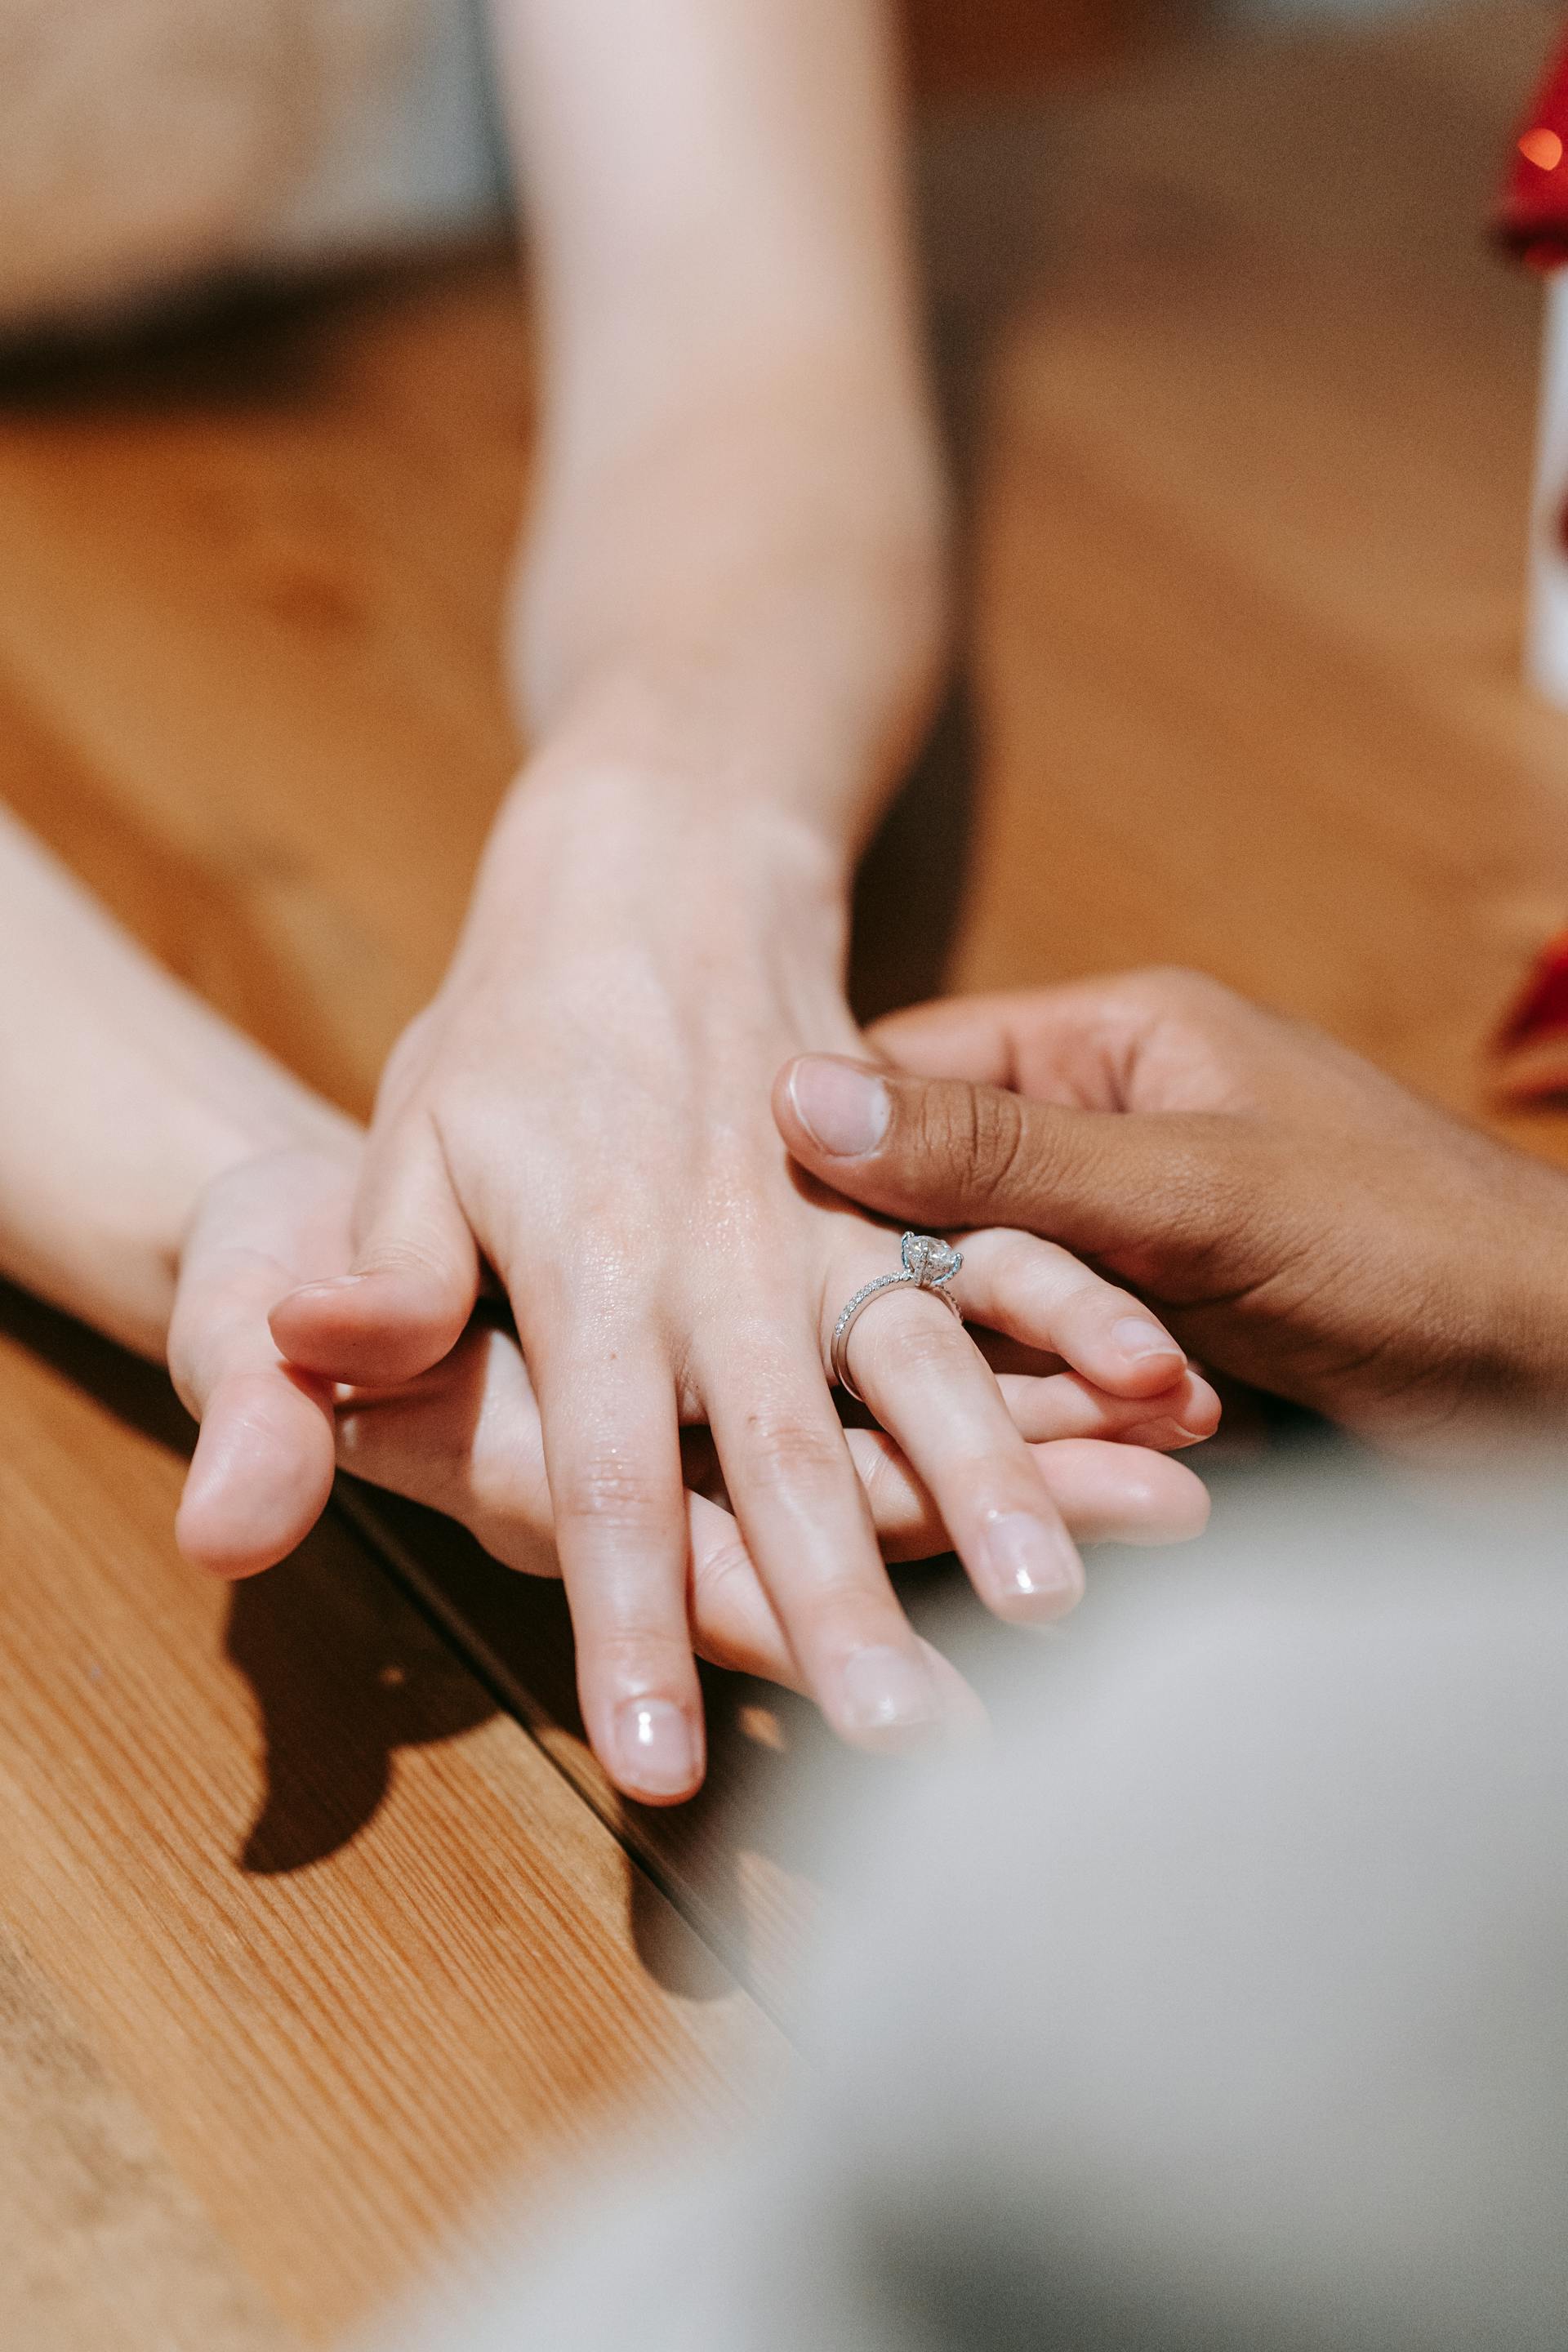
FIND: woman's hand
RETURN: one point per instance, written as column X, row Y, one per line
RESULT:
column 586, row 1105
column 466, row 1438
column 1302, row 1221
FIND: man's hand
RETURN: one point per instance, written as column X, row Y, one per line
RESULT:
column 1298, row 1219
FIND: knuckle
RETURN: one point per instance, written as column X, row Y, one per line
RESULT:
column 907, row 1342
column 612, row 1496
column 641, row 1657
column 993, row 1142
column 718, row 1570
column 420, row 1255
column 784, row 1446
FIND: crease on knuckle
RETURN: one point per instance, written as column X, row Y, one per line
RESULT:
column 614, row 1497
column 407, row 1253
column 994, row 1146
column 642, row 1656
column 898, row 1344
column 718, row 1572
column 781, row 1448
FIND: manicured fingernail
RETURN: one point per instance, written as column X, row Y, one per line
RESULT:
column 655, row 1746
column 843, row 1109
column 1135, row 1335
column 888, row 1695
column 1031, row 1565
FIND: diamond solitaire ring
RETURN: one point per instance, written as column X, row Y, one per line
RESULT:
column 929, row 1264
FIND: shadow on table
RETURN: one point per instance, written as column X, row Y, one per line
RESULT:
column 348, row 1664
column 740, row 1862
column 343, row 1671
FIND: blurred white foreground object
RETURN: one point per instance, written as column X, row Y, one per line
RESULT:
column 1225, row 2006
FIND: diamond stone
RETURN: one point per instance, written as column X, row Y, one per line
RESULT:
column 930, row 1260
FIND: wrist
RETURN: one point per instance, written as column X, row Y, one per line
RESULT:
column 612, row 890
column 770, row 616
column 629, row 848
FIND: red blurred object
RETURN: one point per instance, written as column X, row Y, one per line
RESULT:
column 1531, row 1045
column 1530, row 1048
column 1532, row 217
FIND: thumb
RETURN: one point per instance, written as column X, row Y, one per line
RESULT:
column 1144, row 1194
column 403, row 1303
column 262, row 1469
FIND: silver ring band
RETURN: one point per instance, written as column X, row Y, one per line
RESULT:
column 929, row 1264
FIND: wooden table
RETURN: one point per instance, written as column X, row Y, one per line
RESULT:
column 315, row 1916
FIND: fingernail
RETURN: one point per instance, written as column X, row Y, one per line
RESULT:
column 1135, row 1335
column 842, row 1109
column 655, row 1746
column 887, row 1695
column 1031, row 1565
column 1164, row 1436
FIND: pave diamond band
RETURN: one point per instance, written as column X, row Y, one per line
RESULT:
column 927, row 1265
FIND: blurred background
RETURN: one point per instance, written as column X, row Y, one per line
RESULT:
column 998, row 43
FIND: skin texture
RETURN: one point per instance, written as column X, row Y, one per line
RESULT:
column 465, row 1438
column 725, row 639
column 717, row 1309
column 1300, row 1220
column 164, row 1179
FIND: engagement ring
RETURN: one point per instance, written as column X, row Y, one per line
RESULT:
column 929, row 1264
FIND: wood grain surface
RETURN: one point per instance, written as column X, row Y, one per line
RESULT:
column 316, row 1934
column 336, row 1926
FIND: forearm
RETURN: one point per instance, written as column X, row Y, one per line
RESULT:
column 733, row 582
column 123, row 1096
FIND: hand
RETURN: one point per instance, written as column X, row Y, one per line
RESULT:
column 585, row 1104
column 465, row 1438
column 1300, row 1220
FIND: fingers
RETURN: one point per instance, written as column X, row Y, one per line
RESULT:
column 1034, row 1292
column 929, row 1385
column 612, row 1456
column 739, row 1627
column 803, row 1514
column 1162, row 1039
column 412, row 1286
column 262, row 1469
column 466, row 1439
column 261, row 1474
column 1105, row 1494
column 972, row 1038
column 1064, row 1405
column 940, row 1152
